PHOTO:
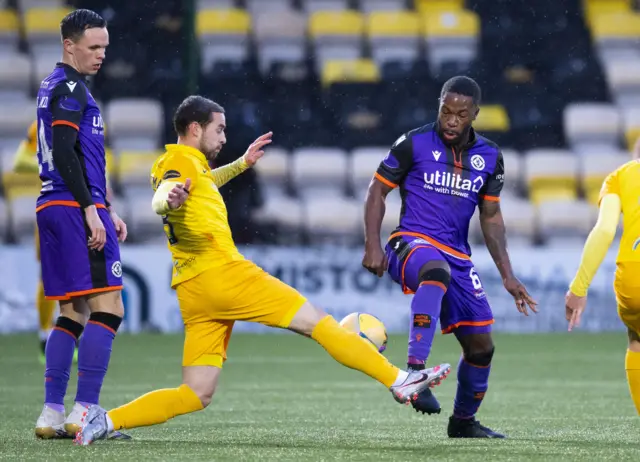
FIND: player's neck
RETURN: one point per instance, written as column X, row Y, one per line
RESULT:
column 68, row 60
column 186, row 142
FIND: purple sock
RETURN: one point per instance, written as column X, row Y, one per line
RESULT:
column 473, row 382
column 425, row 311
column 93, row 356
column 59, row 355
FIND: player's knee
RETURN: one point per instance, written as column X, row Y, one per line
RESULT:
column 306, row 319
column 109, row 302
column 204, row 391
column 480, row 356
column 634, row 340
column 439, row 273
column 109, row 320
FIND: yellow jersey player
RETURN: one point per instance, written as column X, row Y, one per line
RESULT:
column 217, row 286
column 620, row 194
column 26, row 162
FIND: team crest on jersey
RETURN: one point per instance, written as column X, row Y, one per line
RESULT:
column 477, row 162
column 171, row 174
column 116, row 269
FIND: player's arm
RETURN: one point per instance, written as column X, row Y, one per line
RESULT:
column 495, row 236
column 67, row 107
column 492, row 222
column 597, row 244
column 172, row 184
column 226, row 173
column 222, row 175
column 391, row 172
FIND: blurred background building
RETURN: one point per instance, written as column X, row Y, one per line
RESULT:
column 337, row 81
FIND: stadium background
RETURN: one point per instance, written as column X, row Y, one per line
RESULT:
column 337, row 81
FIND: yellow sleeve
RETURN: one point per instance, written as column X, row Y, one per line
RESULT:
column 175, row 169
column 598, row 243
column 165, row 174
column 226, row 173
column 610, row 185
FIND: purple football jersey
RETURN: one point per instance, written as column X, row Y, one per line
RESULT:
column 64, row 99
column 441, row 187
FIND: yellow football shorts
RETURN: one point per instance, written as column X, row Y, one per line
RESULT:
column 211, row 302
column 627, row 289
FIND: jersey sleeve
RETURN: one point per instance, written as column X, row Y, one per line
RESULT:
column 395, row 166
column 609, row 186
column 176, row 169
column 495, row 182
column 68, row 101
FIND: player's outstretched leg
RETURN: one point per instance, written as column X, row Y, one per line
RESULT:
column 632, row 367
column 473, row 382
column 94, row 354
column 152, row 408
column 354, row 352
column 59, row 354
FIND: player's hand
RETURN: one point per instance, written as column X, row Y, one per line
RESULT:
column 375, row 260
column 255, row 152
column 574, row 307
column 120, row 225
column 179, row 194
column 98, row 236
column 520, row 295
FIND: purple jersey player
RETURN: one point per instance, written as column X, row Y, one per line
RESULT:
column 78, row 228
column 444, row 170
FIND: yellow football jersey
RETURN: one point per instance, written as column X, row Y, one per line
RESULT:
column 625, row 182
column 198, row 232
column 26, row 160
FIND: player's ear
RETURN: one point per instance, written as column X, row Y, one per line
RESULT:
column 476, row 112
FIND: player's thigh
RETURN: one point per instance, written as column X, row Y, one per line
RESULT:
column 205, row 341
column 106, row 302
column 407, row 257
column 36, row 242
column 627, row 290
column 241, row 291
column 465, row 306
column 76, row 309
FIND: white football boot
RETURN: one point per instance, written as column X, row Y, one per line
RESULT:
column 418, row 381
column 50, row 424
column 94, row 427
column 73, row 422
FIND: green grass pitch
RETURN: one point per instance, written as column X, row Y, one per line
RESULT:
column 558, row 397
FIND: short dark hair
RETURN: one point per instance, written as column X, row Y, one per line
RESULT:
column 195, row 109
column 463, row 85
column 75, row 23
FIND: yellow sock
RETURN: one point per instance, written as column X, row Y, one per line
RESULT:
column 632, row 366
column 155, row 408
column 353, row 351
column 45, row 309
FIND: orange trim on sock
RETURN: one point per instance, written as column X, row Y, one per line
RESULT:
column 103, row 325
column 434, row 283
column 66, row 204
column 450, row 328
column 475, row 365
column 384, row 181
column 65, row 122
column 62, row 329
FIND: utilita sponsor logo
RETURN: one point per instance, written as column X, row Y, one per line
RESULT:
column 452, row 183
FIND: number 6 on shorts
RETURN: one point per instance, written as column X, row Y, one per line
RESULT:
column 475, row 279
